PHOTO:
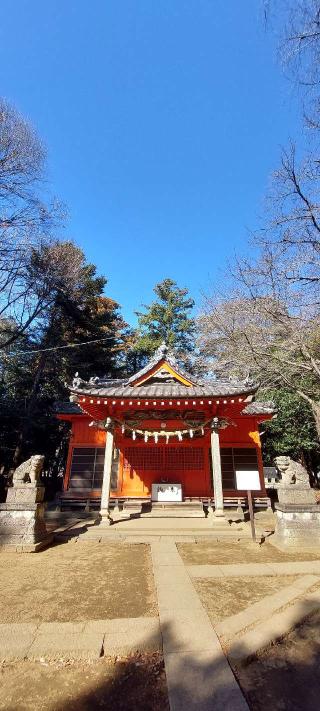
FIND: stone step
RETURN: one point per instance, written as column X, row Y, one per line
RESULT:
column 185, row 509
column 173, row 513
column 187, row 505
column 165, row 509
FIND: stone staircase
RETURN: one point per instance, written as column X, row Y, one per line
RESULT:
column 183, row 509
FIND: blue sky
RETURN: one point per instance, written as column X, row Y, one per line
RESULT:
column 163, row 120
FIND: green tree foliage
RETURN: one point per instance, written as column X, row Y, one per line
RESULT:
column 32, row 381
column 168, row 319
column 133, row 356
column 293, row 432
column 50, row 298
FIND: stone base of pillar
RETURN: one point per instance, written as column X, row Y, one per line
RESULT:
column 218, row 513
column 239, row 508
column 210, row 512
column 116, row 507
column 217, row 518
column 104, row 518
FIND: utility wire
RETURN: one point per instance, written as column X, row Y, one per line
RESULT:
column 57, row 348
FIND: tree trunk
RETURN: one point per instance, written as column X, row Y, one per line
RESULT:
column 315, row 407
column 316, row 414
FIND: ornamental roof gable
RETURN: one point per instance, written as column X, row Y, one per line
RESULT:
column 162, row 377
column 163, row 367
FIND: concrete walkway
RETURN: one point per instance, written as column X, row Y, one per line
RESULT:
column 198, row 674
column 272, row 630
column 239, row 570
column 79, row 640
column 265, row 608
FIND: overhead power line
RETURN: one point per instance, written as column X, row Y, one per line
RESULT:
column 58, row 348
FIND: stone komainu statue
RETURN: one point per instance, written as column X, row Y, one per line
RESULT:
column 29, row 471
column 292, row 472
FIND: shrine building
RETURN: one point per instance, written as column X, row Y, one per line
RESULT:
column 162, row 435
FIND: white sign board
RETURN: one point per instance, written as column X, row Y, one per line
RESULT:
column 248, row 480
column 166, row 492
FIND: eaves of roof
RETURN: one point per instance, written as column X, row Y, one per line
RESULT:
column 168, row 390
column 253, row 408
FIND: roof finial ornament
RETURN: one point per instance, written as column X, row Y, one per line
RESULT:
column 162, row 350
column 77, row 381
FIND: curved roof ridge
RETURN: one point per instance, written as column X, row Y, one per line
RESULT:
column 167, row 354
column 127, row 386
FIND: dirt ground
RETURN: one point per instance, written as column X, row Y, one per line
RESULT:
column 211, row 553
column 286, row 676
column 136, row 684
column 73, row 582
column 224, row 597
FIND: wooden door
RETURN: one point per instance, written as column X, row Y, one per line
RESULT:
column 186, row 463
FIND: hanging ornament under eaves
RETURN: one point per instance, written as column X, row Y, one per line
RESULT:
column 156, row 435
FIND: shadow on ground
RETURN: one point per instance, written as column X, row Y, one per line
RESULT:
column 121, row 684
column 284, row 676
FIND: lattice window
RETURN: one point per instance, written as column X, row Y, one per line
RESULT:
column 164, row 458
column 236, row 458
column 86, row 468
column 190, row 458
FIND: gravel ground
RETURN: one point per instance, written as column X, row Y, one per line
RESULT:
column 224, row 597
column 207, row 553
column 285, row 677
column 136, row 684
column 76, row 582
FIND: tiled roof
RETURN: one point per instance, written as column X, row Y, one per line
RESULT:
column 67, row 408
column 159, row 385
column 166, row 390
column 163, row 353
column 260, row 408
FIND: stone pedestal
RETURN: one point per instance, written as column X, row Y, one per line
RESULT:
column 103, row 518
column 297, row 516
column 296, row 495
column 22, row 523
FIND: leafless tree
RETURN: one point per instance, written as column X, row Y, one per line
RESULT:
column 299, row 48
column 261, row 338
column 26, row 221
column 269, row 323
column 288, row 266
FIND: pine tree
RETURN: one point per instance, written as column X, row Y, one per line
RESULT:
column 33, row 381
column 168, row 319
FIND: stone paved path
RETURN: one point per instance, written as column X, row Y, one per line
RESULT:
column 79, row 640
column 265, row 608
column 198, row 674
column 272, row 629
column 237, row 570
